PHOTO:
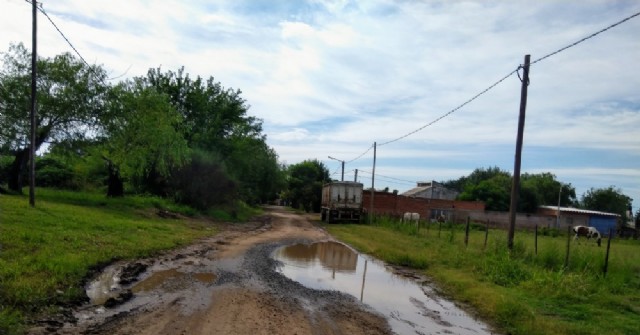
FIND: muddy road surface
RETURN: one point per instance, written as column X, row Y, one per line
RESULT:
column 226, row 284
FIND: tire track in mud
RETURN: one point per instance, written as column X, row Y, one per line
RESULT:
column 226, row 284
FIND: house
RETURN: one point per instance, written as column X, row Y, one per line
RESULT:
column 431, row 190
column 568, row 216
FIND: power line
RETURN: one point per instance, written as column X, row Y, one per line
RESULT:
column 41, row 9
column 398, row 179
column 507, row 76
column 453, row 110
column 584, row 39
column 362, row 154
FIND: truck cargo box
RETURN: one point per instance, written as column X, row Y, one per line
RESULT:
column 342, row 201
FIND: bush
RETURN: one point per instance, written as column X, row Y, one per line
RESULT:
column 52, row 172
column 203, row 183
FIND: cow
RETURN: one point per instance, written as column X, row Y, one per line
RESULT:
column 587, row 232
column 411, row 217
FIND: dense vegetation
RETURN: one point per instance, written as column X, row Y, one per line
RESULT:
column 493, row 187
column 518, row 291
column 164, row 134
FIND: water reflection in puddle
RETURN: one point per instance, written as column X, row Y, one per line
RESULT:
column 410, row 308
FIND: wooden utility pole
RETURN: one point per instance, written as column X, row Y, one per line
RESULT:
column 373, row 177
column 32, row 147
column 515, row 187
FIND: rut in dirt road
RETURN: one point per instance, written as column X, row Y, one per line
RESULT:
column 227, row 284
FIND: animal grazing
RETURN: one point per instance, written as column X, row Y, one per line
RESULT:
column 587, row 232
column 411, row 217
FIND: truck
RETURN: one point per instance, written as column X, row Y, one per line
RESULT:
column 341, row 201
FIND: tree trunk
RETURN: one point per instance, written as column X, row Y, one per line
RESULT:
column 17, row 170
column 115, row 185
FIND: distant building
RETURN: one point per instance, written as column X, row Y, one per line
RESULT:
column 431, row 190
column 602, row 221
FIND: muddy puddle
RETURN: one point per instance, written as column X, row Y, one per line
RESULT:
column 410, row 307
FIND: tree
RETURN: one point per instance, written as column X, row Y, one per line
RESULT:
column 305, row 184
column 215, row 120
column 474, row 178
column 139, row 135
column 494, row 192
column 546, row 189
column 610, row 199
column 69, row 100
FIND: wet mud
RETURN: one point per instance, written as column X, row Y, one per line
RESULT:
column 235, row 283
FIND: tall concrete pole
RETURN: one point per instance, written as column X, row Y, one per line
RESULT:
column 515, row 187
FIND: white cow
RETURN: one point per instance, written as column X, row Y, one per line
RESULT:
column 411, row 217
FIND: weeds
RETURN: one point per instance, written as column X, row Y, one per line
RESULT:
column 519, row 291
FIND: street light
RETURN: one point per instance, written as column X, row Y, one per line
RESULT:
column 339, row 160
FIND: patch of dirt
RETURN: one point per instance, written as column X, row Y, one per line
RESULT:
column 226, row 284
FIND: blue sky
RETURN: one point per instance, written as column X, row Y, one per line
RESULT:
column 328, row 78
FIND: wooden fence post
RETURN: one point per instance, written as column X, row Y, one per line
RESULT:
column 486, row 235
column 606, row 258
column 566, row 257
column 466, row 233
column 536, row 239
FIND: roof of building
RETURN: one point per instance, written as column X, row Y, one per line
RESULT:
column 578, row 211
column 416, row 190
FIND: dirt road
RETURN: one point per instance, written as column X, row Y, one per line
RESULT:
column 227, row 284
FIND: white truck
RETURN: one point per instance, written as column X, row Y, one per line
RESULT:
column 341, row 201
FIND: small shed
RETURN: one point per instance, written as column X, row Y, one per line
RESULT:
column 569, row 216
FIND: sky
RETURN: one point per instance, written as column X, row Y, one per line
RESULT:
column 330, row 78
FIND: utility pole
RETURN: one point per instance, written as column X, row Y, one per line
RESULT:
column 515, row 187
column 558, row 216
column 356, row 177
column 373, row 177
column 341, row 161
column 32, row 147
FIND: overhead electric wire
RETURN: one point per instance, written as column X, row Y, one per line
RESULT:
column 398, row 179
column 507, row 76
column 41, row 9
column 362, row 154
column 453, row 110
column 584, row 39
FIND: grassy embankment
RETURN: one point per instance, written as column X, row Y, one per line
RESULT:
column 46, row 252
column 519, row 292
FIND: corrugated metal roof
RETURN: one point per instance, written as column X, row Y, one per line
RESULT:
column 415, row 190
column 578, row 210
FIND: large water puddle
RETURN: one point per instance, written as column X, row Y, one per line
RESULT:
column 411, row 308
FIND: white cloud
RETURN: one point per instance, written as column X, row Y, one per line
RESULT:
column 331, row 77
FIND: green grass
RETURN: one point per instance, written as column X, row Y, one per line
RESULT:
column 46, row 252
column 519, row 292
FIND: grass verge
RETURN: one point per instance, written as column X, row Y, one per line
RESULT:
column 46, row 252
column 518, row 292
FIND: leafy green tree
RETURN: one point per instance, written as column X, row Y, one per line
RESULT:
column 305, row 184
column 546, row 189
column 610, row 199
column 215, row 120
column 139, row 135
column 495, row 192
column 474, row 178
column 69, row 101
